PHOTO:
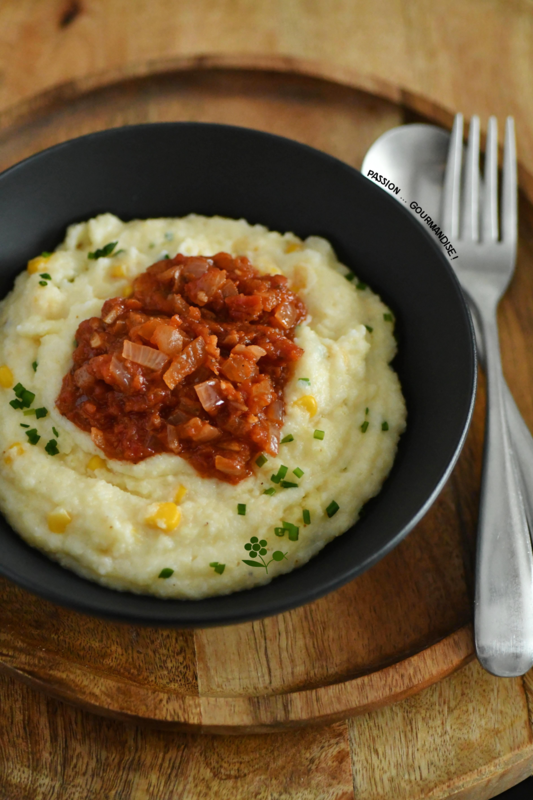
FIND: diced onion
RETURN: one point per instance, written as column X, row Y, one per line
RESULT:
column 145, row 356
column 120, row 373
column 168, row 340
column 229, row 465
column 209, row 396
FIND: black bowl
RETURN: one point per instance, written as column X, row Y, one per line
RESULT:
column 172, row 169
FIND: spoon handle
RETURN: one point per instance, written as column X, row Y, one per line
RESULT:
column 504, row 566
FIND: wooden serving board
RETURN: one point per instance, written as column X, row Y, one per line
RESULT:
column 400, row 627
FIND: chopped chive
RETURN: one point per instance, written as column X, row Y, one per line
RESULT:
column 27, row 398
column 261, row 460
column 364, row 426
column 45, row 254
column 23, row 425
column 366, row 410
column 51, row 447
column 46, row 276
column 241, row 509
column 279, row 531
column 43, row 283
column 387, row 317
column 102, row 252
column 332, row 509
column 16, row 403
column 350, row 276
column 35, row 365
column 304, row 380
column 55, row 432
column 270, row 491
column 360, row 285
column 289, row 485
column 369, row 329
column 282, row 471
column 41, row 412
column 298, row 472
column 318, row 435
column 29, row 412
column 219, row 568
column 287, row 439
column 166, row 573
column 275, row 478
column 33, row 436
column 19, row 389
column 293, row 530
column 384, row 426
column 118, row 252
column 167, row 256
column 306, row 516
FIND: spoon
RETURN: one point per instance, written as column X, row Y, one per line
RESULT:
column 413, row 159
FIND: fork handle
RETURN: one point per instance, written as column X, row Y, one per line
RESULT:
column 503, row 616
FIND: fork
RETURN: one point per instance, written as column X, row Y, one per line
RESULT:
column 503, row 605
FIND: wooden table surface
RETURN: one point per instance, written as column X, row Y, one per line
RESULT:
column 470, row 55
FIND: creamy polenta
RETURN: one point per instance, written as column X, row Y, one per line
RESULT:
column 157, row 526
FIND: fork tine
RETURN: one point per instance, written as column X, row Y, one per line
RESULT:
column 452, row 179
column 490, row 200
column 470, row 212
column 509, row 194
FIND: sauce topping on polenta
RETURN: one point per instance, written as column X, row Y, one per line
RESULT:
column 193, row 362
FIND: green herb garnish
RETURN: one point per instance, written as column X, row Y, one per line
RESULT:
column 166, row 573
column 384, row 426
column 257, row 549
column 241, row 509
column 289, row 485
column 306, row 516
column 304, row 380
column 45, row 275
column 33, row 436
column 367, row 410
column 43, row 283
column 270, row 491
column 293, row 530
column 369, row 329
column 279, row 531
column 103, row 252
column 45, row 254
column 261, row 460
column 387, row 317
column 360, row 285
column 318, row 435
column 298, row 472
column 350, row 276
column 118, row 252
column 287, row 439
column 219, row 568
column 23, row 425
column 282, row 471
column 55, row 432
column 41, row 412
column 332, row 509
column 51, row 448
column 24, row 395
column 35, row 365
column 16, row 403
column 364, row 426
column 30, row 412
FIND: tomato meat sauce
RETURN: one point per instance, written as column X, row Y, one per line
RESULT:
column 194, row 362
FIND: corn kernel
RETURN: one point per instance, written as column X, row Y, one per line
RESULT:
column 6, row 377
column 180, row 494
column 308, row 403
column 58, row 519
column 15, row 450
column 128, row 291
column 36, row 264
column 96, row 463
column 292, row 247
column 166, row 517
column 118, row 271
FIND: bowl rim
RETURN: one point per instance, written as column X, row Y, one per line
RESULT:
column 183, row 618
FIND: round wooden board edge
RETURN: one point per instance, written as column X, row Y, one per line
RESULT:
column 272, row 712
column 122, row 699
